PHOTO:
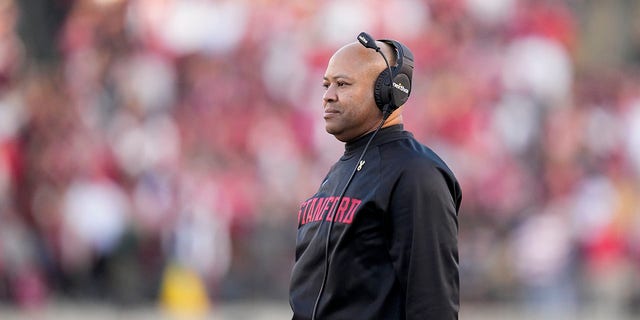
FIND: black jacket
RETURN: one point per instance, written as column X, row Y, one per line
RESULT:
column 393, row 243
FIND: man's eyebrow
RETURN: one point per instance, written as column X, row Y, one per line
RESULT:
column 338, row 76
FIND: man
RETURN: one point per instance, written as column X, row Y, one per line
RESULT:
column 389, row 213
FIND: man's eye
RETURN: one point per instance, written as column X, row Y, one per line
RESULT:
column 325, row 85
column 341, row 83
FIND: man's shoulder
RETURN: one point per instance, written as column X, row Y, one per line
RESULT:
column 408, row 149
column 410, row 155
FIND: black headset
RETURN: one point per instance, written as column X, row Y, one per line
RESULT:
column 393, row 85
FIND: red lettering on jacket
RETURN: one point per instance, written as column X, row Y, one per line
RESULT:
column 302, row 213
column 325, row 208
column 355, row 203
column 310, row 207
column 315, row 209
column 344, row 204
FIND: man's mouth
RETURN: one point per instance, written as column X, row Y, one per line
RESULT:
column 330, row 112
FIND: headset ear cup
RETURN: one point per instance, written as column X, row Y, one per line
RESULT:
column 401, row 89
column 381, row 89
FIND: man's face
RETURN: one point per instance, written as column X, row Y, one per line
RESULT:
column 350, row 110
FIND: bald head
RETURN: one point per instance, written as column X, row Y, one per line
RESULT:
column 368, row 59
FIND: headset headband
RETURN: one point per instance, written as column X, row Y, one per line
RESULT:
column 404, row 61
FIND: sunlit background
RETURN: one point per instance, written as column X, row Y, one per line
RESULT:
column 153, row 153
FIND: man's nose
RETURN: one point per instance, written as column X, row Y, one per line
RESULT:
column 330, row 94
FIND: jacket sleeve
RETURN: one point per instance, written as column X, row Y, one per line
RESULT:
column 423, row 241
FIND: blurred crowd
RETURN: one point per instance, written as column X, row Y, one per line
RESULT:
column 152, row 134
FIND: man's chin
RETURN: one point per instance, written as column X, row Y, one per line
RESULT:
column 338, row 134
column 330, row 128
column 333, row 131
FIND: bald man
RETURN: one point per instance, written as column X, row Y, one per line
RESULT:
column 378, row 240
